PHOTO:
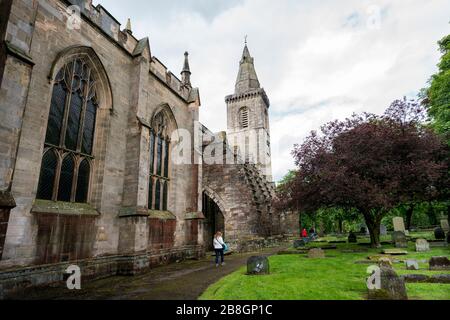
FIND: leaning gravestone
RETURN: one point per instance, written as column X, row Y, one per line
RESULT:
column 422, row 245
column 439, row 234
column 258, row 265
column 352, row 238
column 412, row 265
column 399, row 239
column 399, row 224
column 392, row 287
column 299, row 243
column 316, row 253
column 439, row 263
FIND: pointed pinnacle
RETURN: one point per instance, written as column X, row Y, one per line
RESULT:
column 128, row 27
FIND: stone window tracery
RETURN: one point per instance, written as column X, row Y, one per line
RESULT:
column 159, row 163
column 68, row 148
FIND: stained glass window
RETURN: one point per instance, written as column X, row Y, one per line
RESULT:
column 159, row 151
column 165, row 195
column 66, row 179
column 70, row 135
column 47, row 177
column 158, row 195
column 159, row 160
column 83, row 181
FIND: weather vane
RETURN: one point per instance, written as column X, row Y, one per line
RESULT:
column 245, row 39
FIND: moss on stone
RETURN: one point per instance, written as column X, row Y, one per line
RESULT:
column 163, row 215
column 59, row 207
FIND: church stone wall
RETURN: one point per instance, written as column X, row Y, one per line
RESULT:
column 35, row 45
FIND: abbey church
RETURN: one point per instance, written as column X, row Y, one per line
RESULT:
column 94, row 168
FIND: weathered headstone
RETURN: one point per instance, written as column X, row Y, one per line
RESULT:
column 399, row 224
column 257, row 265
column 392, row 287
column 383, row 230
column 444, row 225
column 352, row 238
column 439, row 234
column 299, row 243
column 439, row 263
column 422, row 245
column 316, row 253
column 412, row 265
column 399, row 239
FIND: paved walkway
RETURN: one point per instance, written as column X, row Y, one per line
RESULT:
column 180, row 281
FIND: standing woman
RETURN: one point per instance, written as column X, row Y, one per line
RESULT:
column 219, row 247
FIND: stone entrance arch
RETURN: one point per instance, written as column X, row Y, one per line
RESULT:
column 214, row 213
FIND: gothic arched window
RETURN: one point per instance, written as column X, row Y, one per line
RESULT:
column 243, row 117
column 68, row 147
column 159, row 163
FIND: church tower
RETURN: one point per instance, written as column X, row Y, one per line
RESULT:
column 248, row 117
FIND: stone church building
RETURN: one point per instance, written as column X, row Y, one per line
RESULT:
column 90, row 126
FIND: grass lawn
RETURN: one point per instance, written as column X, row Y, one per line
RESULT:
column 337, row 277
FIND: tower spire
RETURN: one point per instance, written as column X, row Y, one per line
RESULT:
column 186, row 72
column 247, row 79
column 128, row 26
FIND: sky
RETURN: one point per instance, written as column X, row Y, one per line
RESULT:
column 317, row 60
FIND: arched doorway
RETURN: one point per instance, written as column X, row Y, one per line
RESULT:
column 214, row 220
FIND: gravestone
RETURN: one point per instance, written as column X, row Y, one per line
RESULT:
column 399, row 224
column 352, row 238
column 363, row 230
column 412, row 265
column 392, row 287
column 299, row 243
column 439, row 263
column 258, row 265
column 439, row 234
column 399, row 239
column 316, row 253
column 383, row 230
column 444, row 225
column 422, row 245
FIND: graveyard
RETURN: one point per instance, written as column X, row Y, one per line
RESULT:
column 331, row 268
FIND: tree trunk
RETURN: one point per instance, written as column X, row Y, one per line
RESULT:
column 431, row 214
column 409, row 214
column 373, row 224
column 340, row 225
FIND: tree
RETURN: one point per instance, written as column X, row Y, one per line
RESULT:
column 437, row 96
column 283, row 197
column 370, row 163
column 437, row 100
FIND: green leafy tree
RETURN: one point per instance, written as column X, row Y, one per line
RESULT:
column 437, row 96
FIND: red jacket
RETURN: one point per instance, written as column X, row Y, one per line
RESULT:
column 304, row 233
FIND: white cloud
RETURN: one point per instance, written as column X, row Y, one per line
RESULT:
column 317, row 60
